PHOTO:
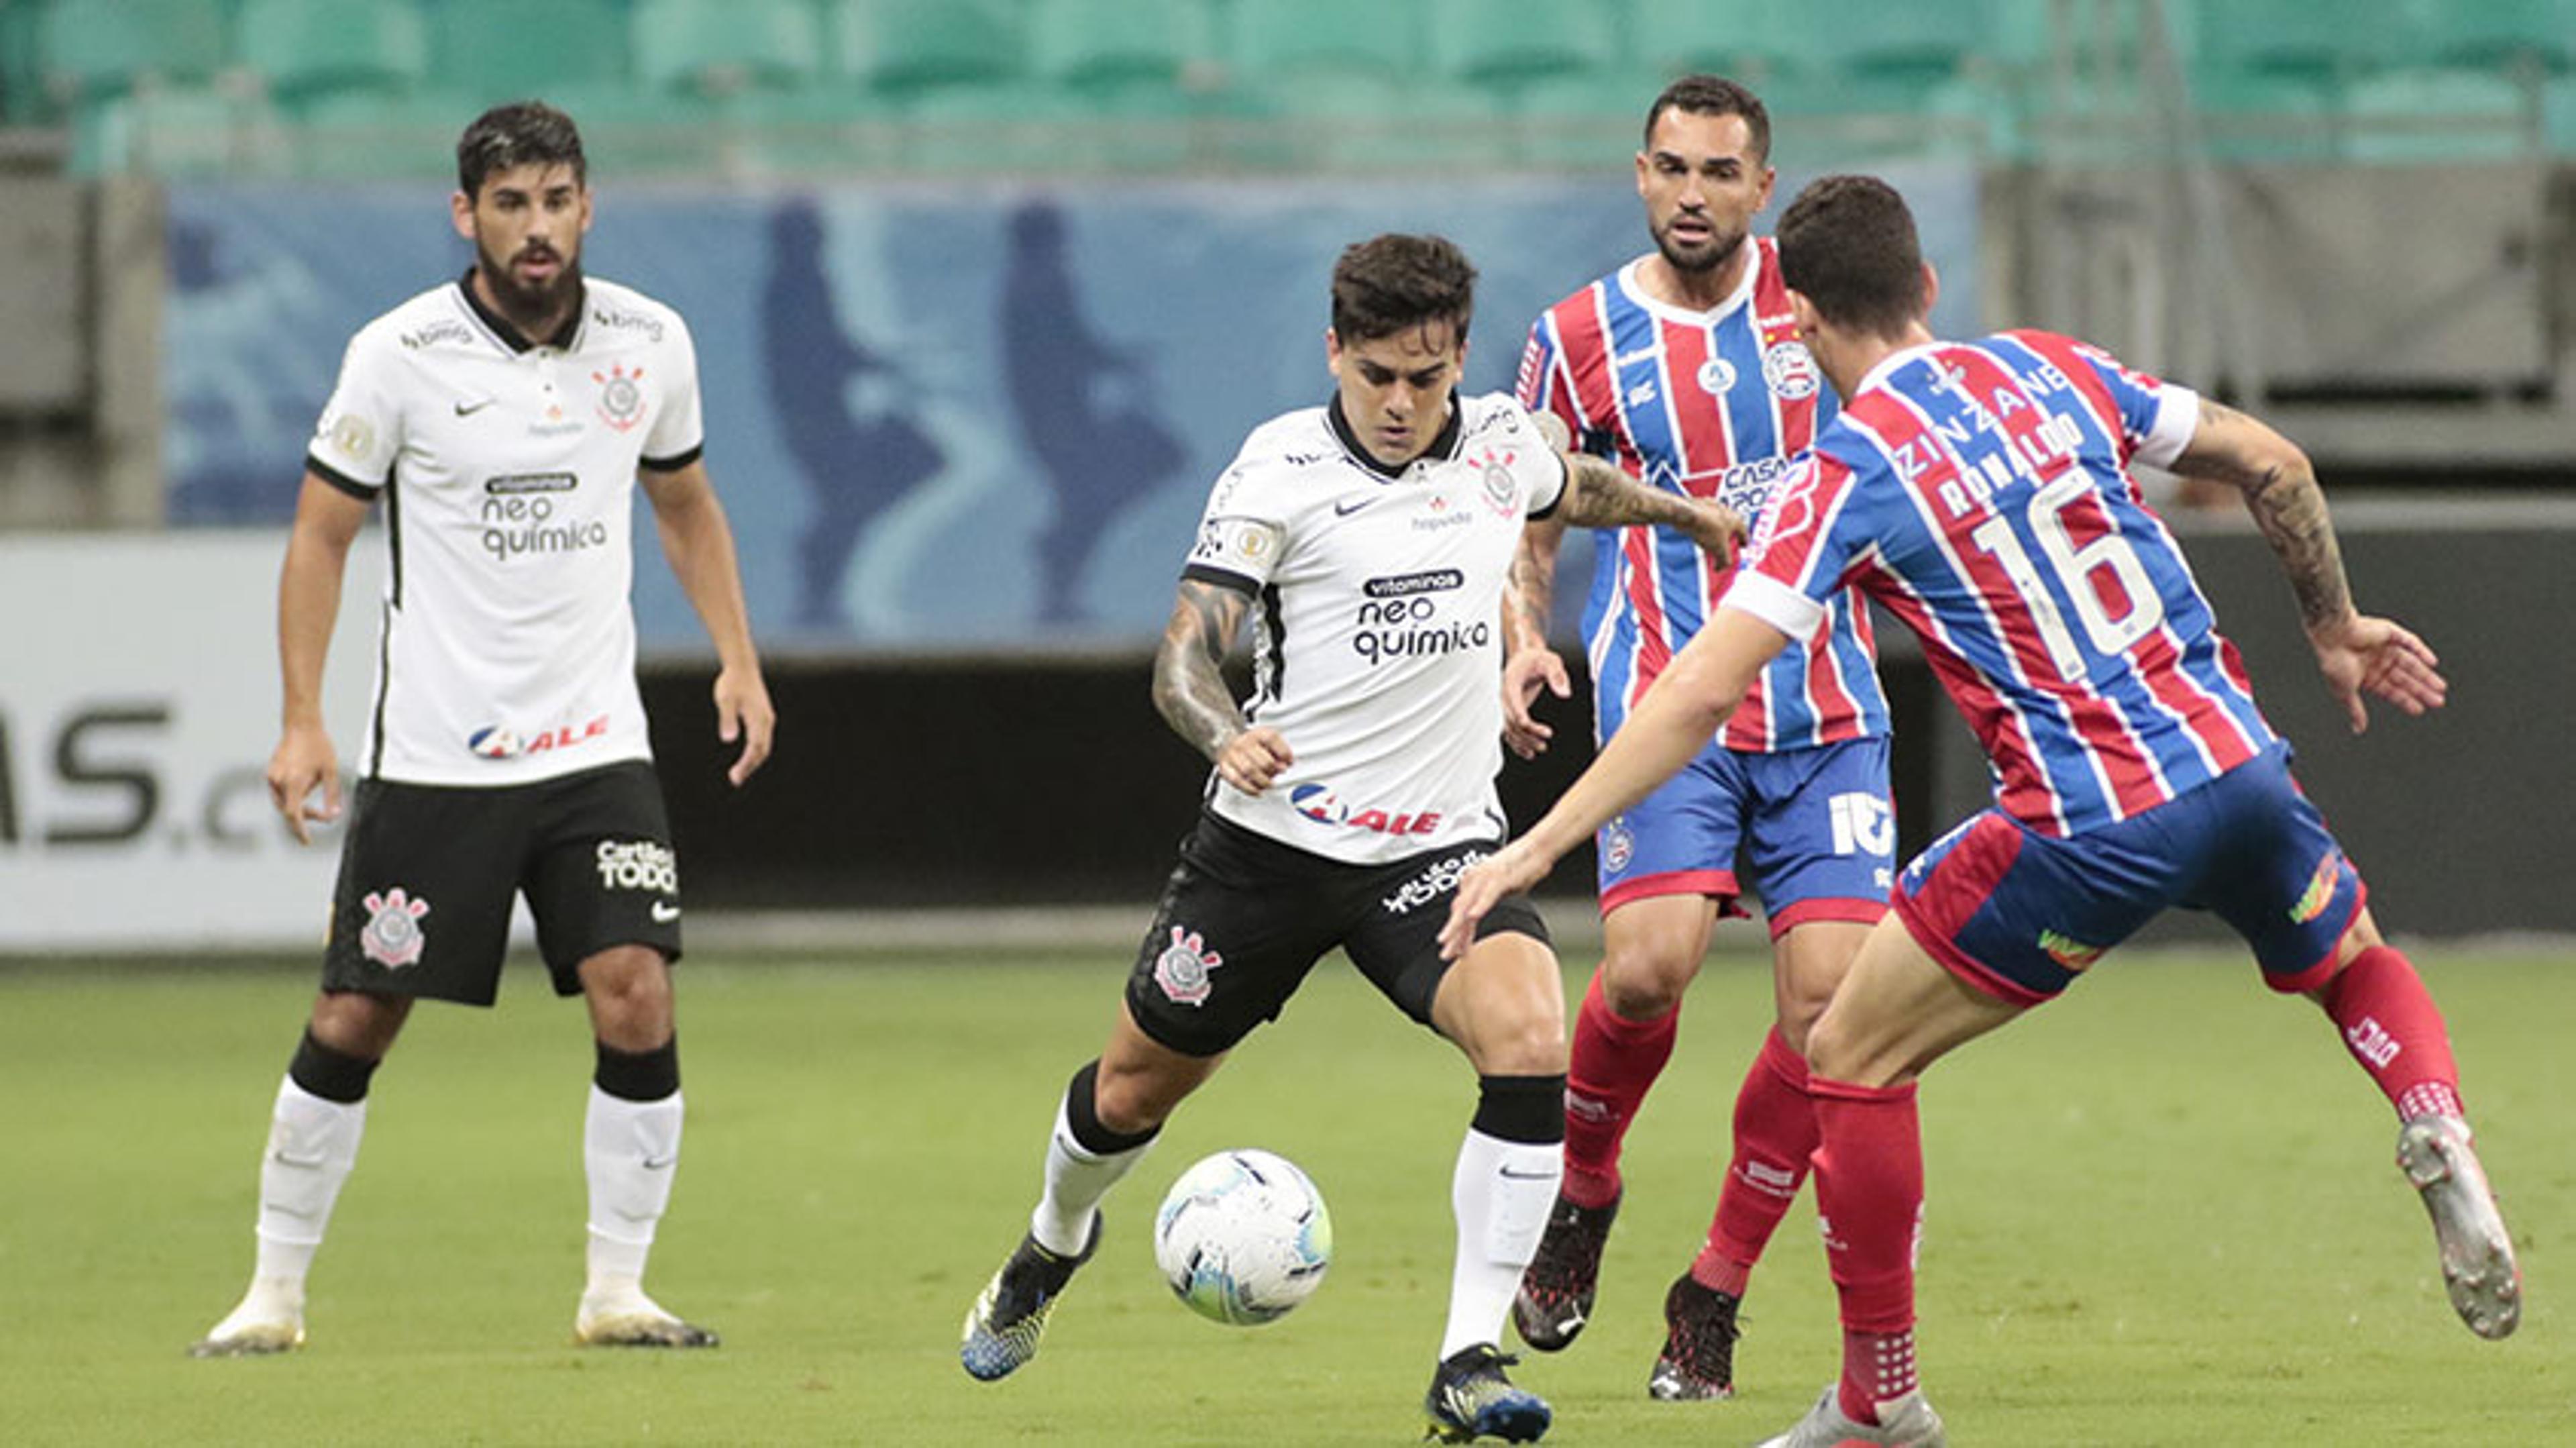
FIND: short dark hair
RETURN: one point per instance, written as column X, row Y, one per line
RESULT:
column 1848, row 245
column 1714, row 95
column 522, row 133
column 1388, row 283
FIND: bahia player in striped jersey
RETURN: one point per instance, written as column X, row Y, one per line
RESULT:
column 1686, row 367
column 1372, row 537
column 1983, row 492
column 505, row 420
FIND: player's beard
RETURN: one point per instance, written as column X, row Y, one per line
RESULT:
column 529, row 307
column 1708, row 256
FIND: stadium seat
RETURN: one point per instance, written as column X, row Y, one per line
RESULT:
column 2340, row 39
column 2558, row 115
column 1031, row 129
column 87, row 49
column 2250, row 115
column 304, row 49
column 1872, row 37
column 175, row 132
column 820, row 131
column 1750, row 41
column 1119, row 44
column 1584, row 121
column 2433, row 113
column 1274, row 39
column 1364, row 122
column 380, row 136
column 2502, row 33
column 1504, row 42
column 502, row 50
column 629, row 132
column 723, row 47
column 903, row 45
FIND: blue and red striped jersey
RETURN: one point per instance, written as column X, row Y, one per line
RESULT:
column 1709, row 404
column 1981, row 492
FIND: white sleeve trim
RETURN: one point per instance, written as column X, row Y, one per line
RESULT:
column 2177, row 418
column 1775, row 603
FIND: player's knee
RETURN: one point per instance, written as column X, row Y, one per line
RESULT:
column 357, row 1024
column 1644, row 983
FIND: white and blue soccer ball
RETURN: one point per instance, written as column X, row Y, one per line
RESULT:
column 1243, row 1237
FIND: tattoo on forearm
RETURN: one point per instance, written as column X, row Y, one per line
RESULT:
column 2291, row 511
column 1605, row 497
column 1189, row 677
column 1532, row 595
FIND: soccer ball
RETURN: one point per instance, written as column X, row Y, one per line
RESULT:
column 1243, row 1237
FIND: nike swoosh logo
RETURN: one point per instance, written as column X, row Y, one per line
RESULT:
column 1344, row 510
column 468, row 409
column 664, row 912
column 660, row 1163
column 1528, row 1176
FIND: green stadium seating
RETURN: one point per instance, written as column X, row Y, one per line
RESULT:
column 1359, row 121
column 1748, row 40
column 175, row 131
column 2433, row 113
column 723, row 47
column 379, row 136
column 1124, row 45
column 1872, row 37
column 2322, row 39
column 629, row 132
column 1504, row 42
column 500, row 50
column 2260, row 116
column 902, row 45
column 1274, row 39
column 85, row 49
column 1585, row 120
column 2502, row 33
column 304, row 49
column 2558, row 115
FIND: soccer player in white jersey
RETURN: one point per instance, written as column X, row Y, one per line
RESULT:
column 504, row 421
column 1373, row 535
column 1685, row 366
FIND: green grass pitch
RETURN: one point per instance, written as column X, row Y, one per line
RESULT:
column 2161, row 1212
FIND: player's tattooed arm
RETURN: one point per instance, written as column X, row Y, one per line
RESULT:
column 1190, row 691
column 1600, row 495
column 2282, row 493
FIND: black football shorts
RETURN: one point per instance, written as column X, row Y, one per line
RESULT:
column 1244, row 917
column 428, row 873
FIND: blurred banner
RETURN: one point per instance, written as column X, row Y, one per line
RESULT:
column 947, row 418
column 138, row 706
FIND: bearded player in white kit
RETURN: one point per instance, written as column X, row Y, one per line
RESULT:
column 504, row 421
column 1374, row 536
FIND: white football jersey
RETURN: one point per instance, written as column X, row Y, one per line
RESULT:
column 507, row 470
column 1378, row 650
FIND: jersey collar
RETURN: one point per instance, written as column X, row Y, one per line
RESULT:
column 1444, row 443
column 508, row 333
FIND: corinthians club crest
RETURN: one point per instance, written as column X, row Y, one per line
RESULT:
column 393, row 937
column 1182, row 970
column 621, row 397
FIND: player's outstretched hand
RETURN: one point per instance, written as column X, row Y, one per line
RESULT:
column 1516, row 867
column 1252, row 759
column 1524, row 674
column 743, row 712
column 303, row 763
column 1717, row 528
column 2378, row 656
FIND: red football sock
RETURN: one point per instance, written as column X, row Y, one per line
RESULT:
column 1869, row 1190
column 1613, row 1063
column 2391, row 1026
column 1775, row 1134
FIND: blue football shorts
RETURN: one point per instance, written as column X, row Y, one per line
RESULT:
column 1811, row 831
column 2019, row 915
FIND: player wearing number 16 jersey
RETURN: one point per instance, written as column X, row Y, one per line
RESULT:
column 1982, row 492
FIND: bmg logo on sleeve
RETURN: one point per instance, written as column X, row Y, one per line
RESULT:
column 639, row 865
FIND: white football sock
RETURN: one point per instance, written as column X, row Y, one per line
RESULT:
column 1076, row 1180
column 631, row 1150
column 312, row 1145
column 1500, row 1195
